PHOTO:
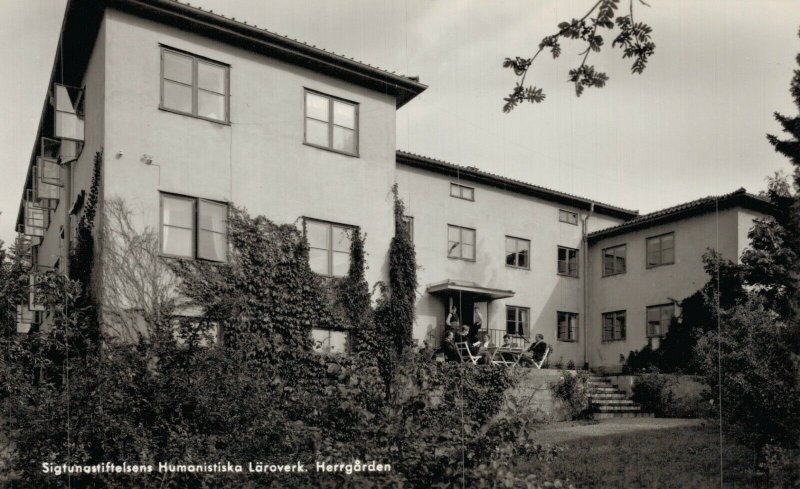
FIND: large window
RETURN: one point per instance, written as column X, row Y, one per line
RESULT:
column 567, row 326
column 329, row 244
column 194, row 228
column 614, row 326
column 331, row 123
column 568, row 217
column 518, row 252
column 462, row 192
column 567, row 261
column 460, row 243
column 194, row 86
column 517, row 320
column 659, row 318
column 614, row 260
column 661, row 250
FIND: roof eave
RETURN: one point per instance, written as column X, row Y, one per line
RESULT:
column 478, row 176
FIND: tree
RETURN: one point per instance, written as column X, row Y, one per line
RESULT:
column 633, row 38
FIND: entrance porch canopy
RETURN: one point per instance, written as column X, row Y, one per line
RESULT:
column 479, row 293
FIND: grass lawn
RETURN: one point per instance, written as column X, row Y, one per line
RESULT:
column 670, row 458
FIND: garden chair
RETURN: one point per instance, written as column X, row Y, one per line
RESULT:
column 465, row 353
column 544, row 358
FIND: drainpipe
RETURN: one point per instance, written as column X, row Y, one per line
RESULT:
column 585, row 232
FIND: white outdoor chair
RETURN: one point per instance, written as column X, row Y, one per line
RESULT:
column 544, row 358
column 465, row 353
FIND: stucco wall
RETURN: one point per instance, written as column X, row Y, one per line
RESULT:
column 494, row 214
column 640, row 287
column 258, row 161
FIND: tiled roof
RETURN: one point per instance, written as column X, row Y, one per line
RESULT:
column 474, row 174
column 252, row 37
column 711, row 203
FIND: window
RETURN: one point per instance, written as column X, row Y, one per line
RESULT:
column 460, row 243
column 68, row 112
column 661, row 250
column 331, row 123
column 567, row 326
column 518, row 252
column 329, row 244
column 614, row 326
column 194, row 86
column 409, row 221
column 462, row 192
column 517, row 320
column 568, row 217
column 614, row 260
column 659, row 319
column 194, row 228
column 567, row 261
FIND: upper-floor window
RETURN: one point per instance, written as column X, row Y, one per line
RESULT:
column 194, row 228
column 567, row 261
column 518, row 252
column 462, row 192
column 614, row 260
column 460, row 242
column 331, row 123
column 194, row 86
column 567, row 328
column 568, row 217
column 614, row 326
column 517, row 320
column 329, row 247
column 661, row 250
column 659, row 319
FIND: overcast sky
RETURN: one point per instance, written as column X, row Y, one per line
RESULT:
column 692, row 125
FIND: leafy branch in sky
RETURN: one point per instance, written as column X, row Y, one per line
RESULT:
column 634, row 38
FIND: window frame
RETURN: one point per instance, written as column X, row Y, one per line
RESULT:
column 659, row 307
column 660, row 237
column 614, row 315
column 577, row 262
column 603, row 260
column 567, row 337
column 562, row 212
column 517, row 322
column 195, row 227
column 516, row 253
column 330, row 251
column 461, row 242
column 460, row 191
column 195, row 86
column 331, row 98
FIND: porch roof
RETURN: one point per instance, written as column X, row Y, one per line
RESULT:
column 452, row 286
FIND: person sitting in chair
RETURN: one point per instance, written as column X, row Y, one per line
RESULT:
column 535, row 353
column 448, row 348
column 461, row 333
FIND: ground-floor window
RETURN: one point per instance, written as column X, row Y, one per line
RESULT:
column 614, row 326
column 567, row 326
column 517, row 320
column 658, row 319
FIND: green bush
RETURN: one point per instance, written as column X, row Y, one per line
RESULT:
column 573, row 391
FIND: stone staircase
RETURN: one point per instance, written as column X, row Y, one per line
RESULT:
column 608, row 401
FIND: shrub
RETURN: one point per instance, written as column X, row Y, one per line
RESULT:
column 760, row 375
column 670, row 396
column 573, row 391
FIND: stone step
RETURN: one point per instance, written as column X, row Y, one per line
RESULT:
column 610, row 402
column 621, row 415
column 608, row 395
column 610, row 408
column 603, row 390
